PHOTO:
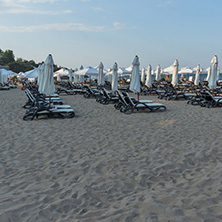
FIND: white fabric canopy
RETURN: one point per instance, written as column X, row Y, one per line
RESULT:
column 81, row 79
column 143, row 75
column 48, row 87
column 135, row 78
column 185, row 70
column 76, row 77
column 32, row 74
column 130, row 68
column 218, row 73
column 88, row 71
column 1, row 77
column 101, row 74
column 8, row 72
column 158, row 73
column 197, row 77
column 70, row 75
column 115, row 77
column 212, row 83
column 148, row 82
column 40, row 76
column 208, row 73
column 195, row 69
column 175, row 73
column 168, row 70
column 60, row 73
column 121, row 71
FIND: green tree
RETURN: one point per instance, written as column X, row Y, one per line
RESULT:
column 19, row 66
column 7, row 57
column 1, row 52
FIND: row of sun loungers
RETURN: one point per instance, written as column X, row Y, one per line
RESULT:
column 38, row 105
column 7, row 86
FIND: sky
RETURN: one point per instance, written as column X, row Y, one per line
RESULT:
column 87, row 32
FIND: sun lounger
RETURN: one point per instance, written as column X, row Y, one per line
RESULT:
column 124, row 101
column 4, row 87
column 33, row 100
column 210, row 101
column 91, row 93
column 46, row 110
column 140, row 105
column 108, row 97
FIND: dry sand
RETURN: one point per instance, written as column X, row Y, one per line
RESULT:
column 106, row 166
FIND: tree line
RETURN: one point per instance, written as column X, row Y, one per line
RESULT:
column 7, row 58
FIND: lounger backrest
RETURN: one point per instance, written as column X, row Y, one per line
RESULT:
column 207, row 96
column 121, row 97
column 106, row 93
column 29, row 95
column 129, row 98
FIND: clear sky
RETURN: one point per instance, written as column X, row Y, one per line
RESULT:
column 87, row 32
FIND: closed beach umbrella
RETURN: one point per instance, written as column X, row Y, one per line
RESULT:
column 48, row 87
column 208, row 74
column 175, row 73
column 101, row 75
column 70, row 75
column 1, row 77
column 76, row 78
column 212, row 83
column 135, row 78
column 197, row 77
column 40, row 76
column 81, row 78
column 218, row 73
column 148, row 82
column 115, row 77
column 158, row 71
column 143, row 76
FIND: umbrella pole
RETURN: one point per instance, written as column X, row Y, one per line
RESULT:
column 49, row 101
column 138, row 96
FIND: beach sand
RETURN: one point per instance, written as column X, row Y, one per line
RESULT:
column 103, row 165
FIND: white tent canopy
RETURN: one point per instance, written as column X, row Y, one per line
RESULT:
column 185, row 70
column 89, row 71
column 60, row 73
column 32, row 74
column 8, row 73
column 130, row 68
column 120, row 71
column 201, row 69
column 3, row 78
column 168, row 70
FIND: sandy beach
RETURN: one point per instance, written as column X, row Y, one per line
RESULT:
column 103, row 165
